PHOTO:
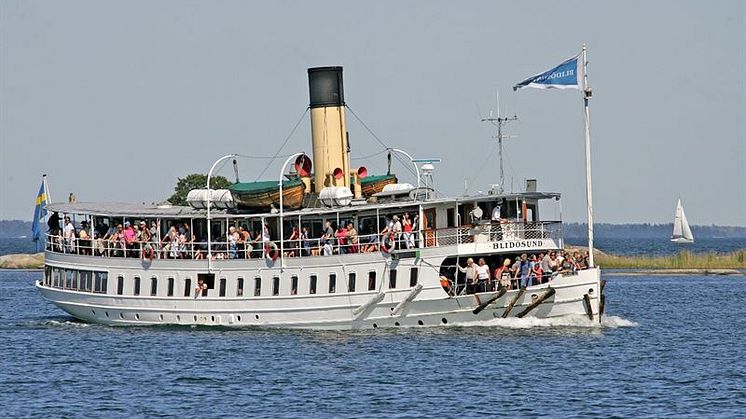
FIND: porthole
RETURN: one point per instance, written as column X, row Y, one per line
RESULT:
column 444, row 320
column 392, row 308
column 534, row 297
column 121, row 315
column 238, row 317
column 106, row 313
column 257, row 317
column 590, row 290
column 212, row 318
column 420, row 322
column 195, row 318
column 160, row 316
column 396, row 324
column 137, row 316
column 94, row 312
column 178, row 318
column 375, row 326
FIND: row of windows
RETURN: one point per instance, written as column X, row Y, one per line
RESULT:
column 76, row 279
column 96, row 282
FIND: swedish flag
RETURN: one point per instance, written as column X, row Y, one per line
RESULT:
column 40, row 214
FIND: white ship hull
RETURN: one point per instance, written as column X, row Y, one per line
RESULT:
column 428, row 303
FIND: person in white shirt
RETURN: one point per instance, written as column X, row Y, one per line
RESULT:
column 68, row 233
column 483, row 276
column 470, row 271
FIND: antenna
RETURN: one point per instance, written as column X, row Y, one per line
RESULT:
column 499, row 121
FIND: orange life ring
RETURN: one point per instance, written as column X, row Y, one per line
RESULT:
column 271, row 252
column 387, row 243
column 148, row 252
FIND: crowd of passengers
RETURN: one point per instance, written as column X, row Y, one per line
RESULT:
column 525, row 271
column 140, row 239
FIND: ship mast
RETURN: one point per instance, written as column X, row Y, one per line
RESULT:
column 498, row 121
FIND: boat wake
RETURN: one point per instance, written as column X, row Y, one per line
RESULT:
column 610, row 322
column 60, row 322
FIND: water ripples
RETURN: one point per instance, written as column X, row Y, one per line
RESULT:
column 669, row 347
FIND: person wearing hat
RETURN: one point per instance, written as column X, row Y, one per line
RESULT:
column 397, row 230
column 502, row 275
column 470, row 272
column 144, row 239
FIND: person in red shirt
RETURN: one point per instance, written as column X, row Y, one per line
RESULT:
column 341, row 235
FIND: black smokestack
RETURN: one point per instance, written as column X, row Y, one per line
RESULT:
column 325, row 87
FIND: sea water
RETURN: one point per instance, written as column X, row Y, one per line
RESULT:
column 669, row 346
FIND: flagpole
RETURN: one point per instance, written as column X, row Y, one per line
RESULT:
column 587, row 94
column 46, row 187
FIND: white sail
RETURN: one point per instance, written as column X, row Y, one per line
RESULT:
column 681, row 231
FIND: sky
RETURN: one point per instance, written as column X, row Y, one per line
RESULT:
column 116, row 100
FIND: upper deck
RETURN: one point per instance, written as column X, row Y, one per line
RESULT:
column 476, row 224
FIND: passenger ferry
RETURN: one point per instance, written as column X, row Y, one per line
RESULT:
column 201, row 268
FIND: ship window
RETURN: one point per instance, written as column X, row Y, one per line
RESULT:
column 222, row 287
column 351, row 282
column 371, row 280
column 257, row 286
column 153, row 286
column 451, row 217
column 332, row 283
column 275, row 285
column 170, row 287
column 100, row 280
column 294, row 285
column 86, row 280
column 392, row 278
column 70, row 279
column 239, row 288
column 209, row 280
column 56, row 276
column 120, row 285
column 137, row 285
column 187, row 287
column 414, row 273
column 47, row 274
column 312, row 284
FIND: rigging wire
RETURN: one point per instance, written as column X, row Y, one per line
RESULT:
column 370, row 156
column 246, row 156
column 479, row 170
column 373, row 134
column 297, row 124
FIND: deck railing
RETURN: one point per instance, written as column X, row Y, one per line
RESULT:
column 481, row 233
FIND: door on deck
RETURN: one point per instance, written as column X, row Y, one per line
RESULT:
column 428, row 226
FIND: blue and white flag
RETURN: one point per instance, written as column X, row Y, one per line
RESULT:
column 40, row 215
column 564, row 76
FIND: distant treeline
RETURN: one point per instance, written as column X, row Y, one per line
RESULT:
column 14, row 228
column 647, row 231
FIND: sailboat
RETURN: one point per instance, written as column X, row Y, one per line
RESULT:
column 681, row 231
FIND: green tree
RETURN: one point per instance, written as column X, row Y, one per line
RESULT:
column 195, row 181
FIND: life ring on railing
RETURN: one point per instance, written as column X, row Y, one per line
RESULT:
column 271, row 251
column 148, row 252
column 387, row 243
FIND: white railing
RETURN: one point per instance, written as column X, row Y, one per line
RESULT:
column 487, row 232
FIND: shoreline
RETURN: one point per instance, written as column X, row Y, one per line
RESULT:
column 635, row 266
column 673, row 271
